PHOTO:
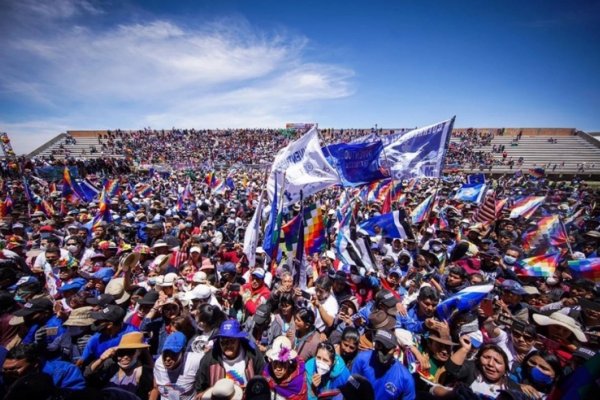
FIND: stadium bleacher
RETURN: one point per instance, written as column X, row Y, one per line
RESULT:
column 571, row 152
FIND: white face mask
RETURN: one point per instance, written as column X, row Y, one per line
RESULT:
column 322, row 367
column 436, row 247
column 73, row 249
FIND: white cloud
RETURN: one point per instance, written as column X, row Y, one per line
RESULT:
column 159, row 72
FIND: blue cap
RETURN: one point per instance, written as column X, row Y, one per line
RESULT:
column 231, row 328
column 396, row 271
column 26, row 280
column 76, row 283
column 228, row 267
column 104, row 274
column 175, row 342
column 514, row 287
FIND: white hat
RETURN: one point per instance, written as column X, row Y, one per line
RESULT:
column 200, row 277
column 195, row 249
column 260, row 250
column 168, row 280
column 224, row 389
column 200, row 292
column 558, row 318
column 281, row 350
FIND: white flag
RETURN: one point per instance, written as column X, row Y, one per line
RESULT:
column 252, row 233
column 306, row 169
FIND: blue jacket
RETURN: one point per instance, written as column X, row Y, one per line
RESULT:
column 99, row 343
column 337, row 376
column 66, row 376
column 389, row 383
column 412, row 322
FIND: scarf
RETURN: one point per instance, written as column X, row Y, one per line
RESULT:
column 294, row 387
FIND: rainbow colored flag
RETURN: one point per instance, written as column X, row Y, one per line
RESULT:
column 588, row 268
column 112, row 187
column 526, row 206
column 421, row 212
column 549, row 229
column 540, row 266
column 537, row 173
column 103, row 213
column 8, row 204
column 314, row 230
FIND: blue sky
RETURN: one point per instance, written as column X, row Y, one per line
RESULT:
column 86, row 64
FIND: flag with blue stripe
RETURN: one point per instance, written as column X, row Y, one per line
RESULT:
column 392, row 225
column 466, row 299
column 471, row 192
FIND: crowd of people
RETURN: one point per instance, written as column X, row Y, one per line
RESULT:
column 159, row 301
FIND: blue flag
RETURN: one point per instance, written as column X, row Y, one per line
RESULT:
column 476, row 178
column 466, row 299
column 357, row 163
column 271, row 238
column 418, row 153
column 392, row 224
column 472, row 193
column 85, row 190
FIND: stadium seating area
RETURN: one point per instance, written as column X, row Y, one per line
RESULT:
column 557, row 151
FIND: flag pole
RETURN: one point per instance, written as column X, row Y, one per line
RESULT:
column 567, row 234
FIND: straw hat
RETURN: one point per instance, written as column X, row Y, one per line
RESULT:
column 130, row 261
column 161, row 261
column 133, row 340
column 558, row 318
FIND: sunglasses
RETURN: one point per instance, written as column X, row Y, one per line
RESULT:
column 527, row 338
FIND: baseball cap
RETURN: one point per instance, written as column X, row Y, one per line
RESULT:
column 386, row 338
column 175, row 342
column 195, row 249
column 386, row 298
column 200, row 292
column 262, row 314
column 357, row 387
column 34, row 306
column 104, row 274
column 258, row 273
column 109, row 313
column 75, row 284
column 228, row 267
column 513, row 287
column 102, row 300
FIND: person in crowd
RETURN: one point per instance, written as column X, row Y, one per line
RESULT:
column 285, row 371
column 175, row 370
column 306, row 338
column 232, row 356
column 127, row 366
column 325, row 371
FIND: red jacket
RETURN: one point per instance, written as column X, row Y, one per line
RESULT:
column 254, row 298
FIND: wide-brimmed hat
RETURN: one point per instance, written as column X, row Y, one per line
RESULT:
column 130, row 260
column 281, row 350
column 116, row 288
column 558, row 318
column 381, row 320
column 81, row 316
column 161, row 261
column 133, row 340
column 168, row 280
column 441, row 337
column 223, row 389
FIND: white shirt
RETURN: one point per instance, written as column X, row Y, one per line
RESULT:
column 331, row 306
column 183, row 387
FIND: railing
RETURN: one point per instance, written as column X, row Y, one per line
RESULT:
column 46, row 145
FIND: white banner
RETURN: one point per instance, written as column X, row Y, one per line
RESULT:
column 305, row 167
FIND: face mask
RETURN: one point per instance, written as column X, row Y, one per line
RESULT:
column 436, row 247
column 355, row 278
column 73, row 249
column 509, row 260
column 540, row 378
column 42, row 248
column 76, row 331
column 322, row 367
column 131, row 364
column 384, row 357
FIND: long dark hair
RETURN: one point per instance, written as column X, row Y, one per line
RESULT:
column 551, row 359
column 211, row 315
column 497, row 349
